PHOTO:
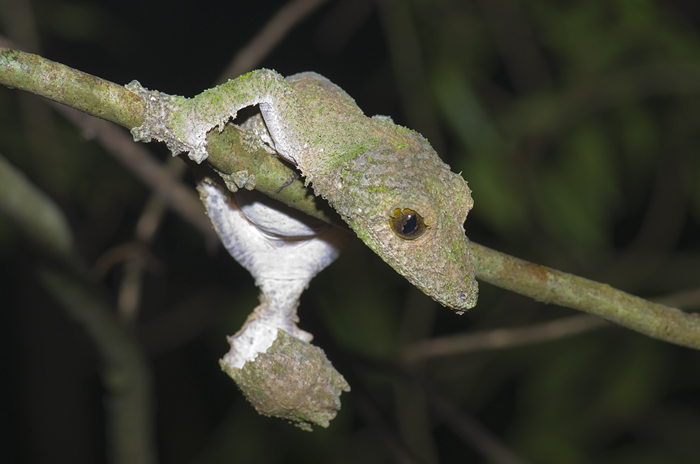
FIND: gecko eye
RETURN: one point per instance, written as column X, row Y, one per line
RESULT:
column 407, row 224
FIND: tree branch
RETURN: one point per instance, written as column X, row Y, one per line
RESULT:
column 79, row 90
column 551, row 286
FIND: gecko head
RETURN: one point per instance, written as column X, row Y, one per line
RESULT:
column 422, row 236
column 409, row 208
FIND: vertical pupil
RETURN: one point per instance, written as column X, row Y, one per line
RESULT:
column 410, row 224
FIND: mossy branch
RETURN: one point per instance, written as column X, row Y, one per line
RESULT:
column 110, row 101
column 79, row 90
column 551, row 286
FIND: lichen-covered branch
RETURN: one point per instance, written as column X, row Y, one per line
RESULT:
column 551, row 286
column 79, row 90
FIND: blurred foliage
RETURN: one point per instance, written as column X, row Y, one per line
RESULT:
column 576, row 124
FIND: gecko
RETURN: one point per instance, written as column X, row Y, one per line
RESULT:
column 386, row 181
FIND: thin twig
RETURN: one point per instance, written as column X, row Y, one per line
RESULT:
column 68, row 92
column 470, row 431
column 184, row 322
column 179, row 198
column 153, row 212
column 118, row 254
column 685, row 299
column 531, row 334
column 500, row 338
column 151, row 217
column 270, row 35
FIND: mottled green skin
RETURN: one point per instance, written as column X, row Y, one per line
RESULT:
column 365, row 168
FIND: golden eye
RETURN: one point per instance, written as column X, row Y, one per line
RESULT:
column 407, row 224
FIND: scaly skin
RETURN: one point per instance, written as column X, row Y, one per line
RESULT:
column 369, row 169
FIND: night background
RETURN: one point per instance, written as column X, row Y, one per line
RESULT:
column 577, row 126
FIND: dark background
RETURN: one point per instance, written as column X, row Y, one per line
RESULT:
column 577, row 126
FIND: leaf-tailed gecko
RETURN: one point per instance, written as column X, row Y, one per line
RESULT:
column 385, row 180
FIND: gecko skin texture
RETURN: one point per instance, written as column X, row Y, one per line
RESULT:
column 369, row 169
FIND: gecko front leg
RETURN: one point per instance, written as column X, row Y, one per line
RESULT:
column 183, row 123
